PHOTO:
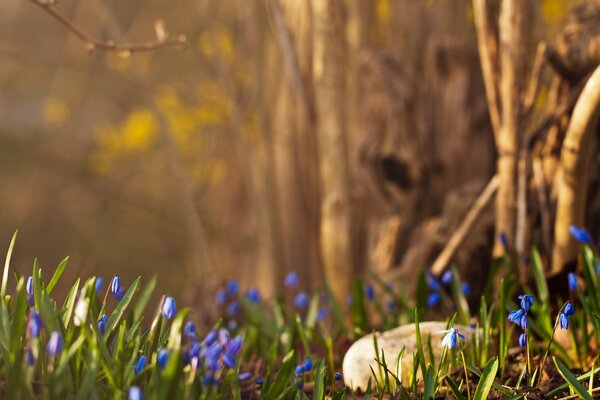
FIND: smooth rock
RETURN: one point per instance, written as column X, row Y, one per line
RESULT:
column 360, row 357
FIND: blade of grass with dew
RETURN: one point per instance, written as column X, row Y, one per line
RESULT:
column 571, row 379
column 319, row 388
column 57, row 274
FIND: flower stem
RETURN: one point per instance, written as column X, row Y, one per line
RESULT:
column 462, row 354
column 549, row 343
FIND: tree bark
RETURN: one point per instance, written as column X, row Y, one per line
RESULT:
column 329, row 58
column 572, row 183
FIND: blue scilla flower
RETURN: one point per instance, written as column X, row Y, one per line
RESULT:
column 524, row 321
column 134, row 393
column 208, row 379
column 229, row 360
column 233, row 309
column 291, row 280
column 581, row 235
column 522, row 340
column 98, row 284
column 300, row 384
column 370, row 292
column 503, row 239
column 526, row 301
column 235, row 345
column 253, row 295
column 221, row 297
column 598, row 268
column 433, row 299
column 572, row 281
column 169, row 308
column 115, row 285
column 301, row 300
column 338, row 376
column 55, row 345
column 140, row 364
column 29, row 286
column 432, row 281
column 232, row 325
column 120, row 294
column 211, row 337
column 307, row 364
column 447, row 277
column 102, row 323
column 224, row 336
column 233, row 287
column 35, row 324
column 515, row 316
column 260, row 381
column 564, row 321
column 322, row 314
column 299, row 369
column 162, row 357
column 451, row 338
column 29, row 357
column 391, row 305
column 244, row 376
column 568, row 309
column 189, row 330
column 466, row 289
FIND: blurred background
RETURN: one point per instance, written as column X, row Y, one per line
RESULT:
column 209, row 162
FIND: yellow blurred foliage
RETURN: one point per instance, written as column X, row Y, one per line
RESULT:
column 55, row 112
column 553, row 11
column 222, row 38
column 382, row 11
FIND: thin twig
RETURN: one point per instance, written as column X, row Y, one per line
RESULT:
column 465, row 227
column 162, row 37
column 534, row 81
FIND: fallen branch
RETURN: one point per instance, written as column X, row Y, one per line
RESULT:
column 162, row 37
column 465, row 227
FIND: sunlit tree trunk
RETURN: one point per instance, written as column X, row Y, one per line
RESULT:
column 329, row 60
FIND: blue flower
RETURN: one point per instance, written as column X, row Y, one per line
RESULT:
column 98, row 284
column 102, row 323
column 525, row 322
column 466, row 289
column 253, row 295
column 162, row 357
column 503, row 239
column 244, row 376
column 233, row 309
column 447, row 277
column 370, row 292
column 598, row 268
column 522, row 340
column 189, row 330
column 451, row 338
column 432, row 281
column 515, row 316
column 232, row 325
column 35, row 324
column 120, row 294
column 526, row 301
column 211, row 337
column 338, row 376
column 208, row 379
column 221, row 297
column 224, row 337
column 301, row 300
column 291, row 280
column 564, row 321
column 260, row 381
column 322, row 314
column 29, row 357
column 134, row 393
column 299, row 369
column 115, row 285
column 229, row 360
column 390, row 304
column 569, row 309
column 169, row 307
column 140, row 364
column 581, row 235
column 235, row 345
column 55, row 345
column 308, row 364
column 433, row 299
column 572, row 281
column 29, row 286
column 233, row 287
column 300, row 385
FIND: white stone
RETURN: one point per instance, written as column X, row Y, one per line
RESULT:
column 361, row 355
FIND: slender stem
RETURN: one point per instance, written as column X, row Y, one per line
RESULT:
column 527, row 350
column 462, row 354
column 550, row 342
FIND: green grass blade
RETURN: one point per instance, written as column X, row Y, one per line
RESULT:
column 57, row 274
column 571, row 379
column 7, row 265
column 487, row 379
column 117, row 314
column 141, row 304
column 420, row 353
column 319, row 390
column 457, row 393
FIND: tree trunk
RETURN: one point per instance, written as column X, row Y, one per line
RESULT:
column 329, row 59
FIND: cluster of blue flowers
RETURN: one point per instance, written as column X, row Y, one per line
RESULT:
column 434, row 297
column 35, row 327
column 301, row 299
column 520, row 317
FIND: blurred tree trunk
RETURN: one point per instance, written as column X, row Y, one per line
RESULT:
column 329, row 61
column 295, row 148
column 512, row 60
column 572, row 182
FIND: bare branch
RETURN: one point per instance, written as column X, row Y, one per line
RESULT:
column 91, row 44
